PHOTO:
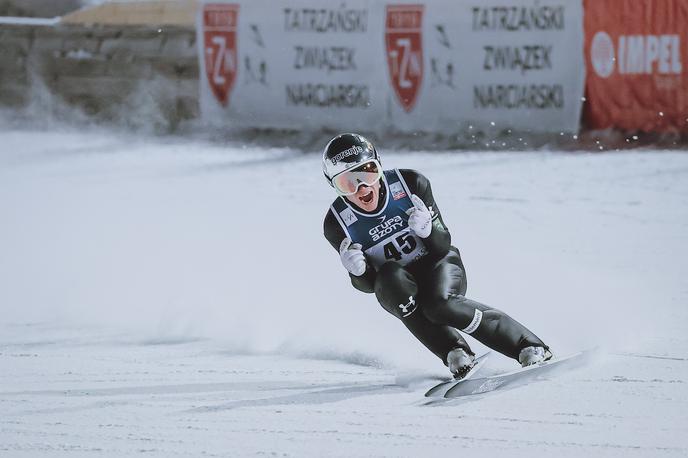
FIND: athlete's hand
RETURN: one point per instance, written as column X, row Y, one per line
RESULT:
column 352, row 257
column 420, row 218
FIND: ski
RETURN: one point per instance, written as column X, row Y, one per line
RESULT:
column 517, row 377
column 441, row 388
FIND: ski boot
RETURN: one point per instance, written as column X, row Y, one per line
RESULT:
column 460, row 362
column 534, row 355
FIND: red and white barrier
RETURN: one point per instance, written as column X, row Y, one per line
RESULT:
column 637, row 57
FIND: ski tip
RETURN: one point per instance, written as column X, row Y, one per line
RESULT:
column 440, row 389
column 437, row 388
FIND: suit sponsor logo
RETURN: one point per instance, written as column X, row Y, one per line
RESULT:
column 408, row 309
column 386, row 227
column 348, row 217
column 475, row 322
column 397, row 191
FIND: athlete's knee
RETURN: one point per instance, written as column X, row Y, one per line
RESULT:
column 446, row 282
column 438, row 295
column 436, row 301
column 433, row 312
column 447, row 307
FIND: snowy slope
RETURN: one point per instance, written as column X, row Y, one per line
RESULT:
column 177, row 298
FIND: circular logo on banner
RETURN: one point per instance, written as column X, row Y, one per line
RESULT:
column 602, row 54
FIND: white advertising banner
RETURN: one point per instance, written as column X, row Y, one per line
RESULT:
column 435, row 66
column 290, row 64
column 510, row 63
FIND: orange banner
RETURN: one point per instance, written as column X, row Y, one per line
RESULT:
column 636, row 54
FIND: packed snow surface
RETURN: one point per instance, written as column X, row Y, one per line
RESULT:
column 177, row 298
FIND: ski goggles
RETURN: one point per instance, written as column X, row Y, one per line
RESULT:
column 348, row 182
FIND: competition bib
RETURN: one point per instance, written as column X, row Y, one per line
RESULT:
column 385, row 235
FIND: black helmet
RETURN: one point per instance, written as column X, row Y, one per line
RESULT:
column 344, row 152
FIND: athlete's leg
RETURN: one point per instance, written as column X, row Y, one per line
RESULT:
column 395, row 289
column 442, row 295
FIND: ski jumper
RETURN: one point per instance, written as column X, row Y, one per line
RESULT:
column 420, row 281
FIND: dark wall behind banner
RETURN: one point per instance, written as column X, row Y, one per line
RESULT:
column 136, row 75
column 38, row 8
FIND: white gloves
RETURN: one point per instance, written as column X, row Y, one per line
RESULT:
column 352, row 257
column 420, row 218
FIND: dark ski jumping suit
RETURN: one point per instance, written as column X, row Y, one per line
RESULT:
column 420, row 281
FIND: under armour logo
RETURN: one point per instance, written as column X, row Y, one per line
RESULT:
column 407, row 309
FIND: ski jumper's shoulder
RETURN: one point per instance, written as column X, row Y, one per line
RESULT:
column 417, row 183
column 332, row 229
column 411, row 176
